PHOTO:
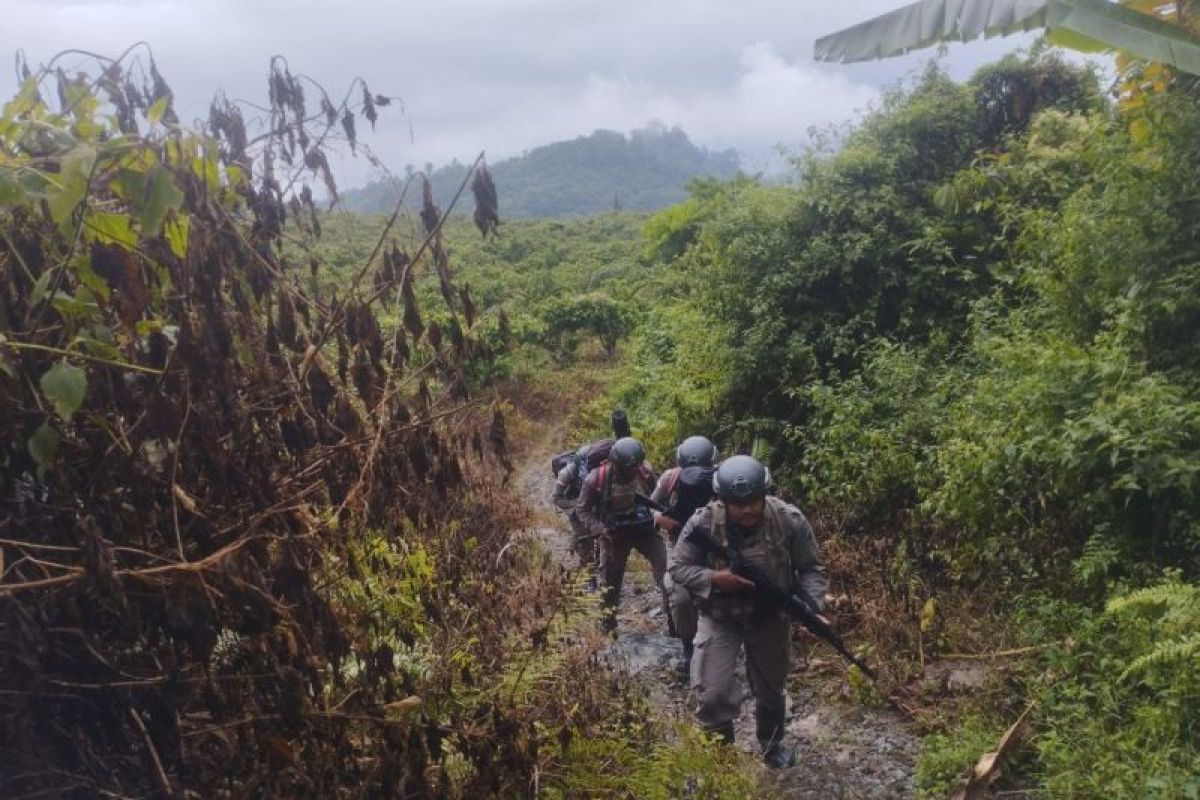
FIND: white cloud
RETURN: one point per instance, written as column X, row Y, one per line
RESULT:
column 768, row 101
column 775, row 102
column 505, row 75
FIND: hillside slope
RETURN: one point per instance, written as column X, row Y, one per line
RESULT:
column 645, row 170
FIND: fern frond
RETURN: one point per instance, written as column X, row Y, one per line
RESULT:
column 1179, row 598
column 1100, row 553
column 1176, row 654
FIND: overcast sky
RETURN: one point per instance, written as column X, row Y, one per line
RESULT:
column 504, row 75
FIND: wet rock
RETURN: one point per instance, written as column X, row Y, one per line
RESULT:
column 956, row 676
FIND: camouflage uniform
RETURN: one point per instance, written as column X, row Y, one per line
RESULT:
column 679, row 600
column 783, row 546
column 583, row 545
column 595, row 511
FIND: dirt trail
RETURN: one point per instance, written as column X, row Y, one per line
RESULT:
column 843, row 749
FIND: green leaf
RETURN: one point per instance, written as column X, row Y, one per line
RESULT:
column 235, row 176
column 928, row 22
column 1142, row 35
column 80, row 306
column 130, row 185
column 72, row 187
column 1075, row 41
column 207, row 168
column 98, row 345
column 10, row 190
column 82, row 267
column 161, row 196
column 64, row 385
column 40, row 287
column 27, row 99
column 154, row 114
column 177, row 235
column 145, row 327
column 43, row 445
column 113, row 229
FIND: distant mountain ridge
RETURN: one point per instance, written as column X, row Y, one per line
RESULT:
column 645, row 170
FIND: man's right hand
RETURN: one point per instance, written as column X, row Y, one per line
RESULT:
column 668, row 524
column 724, row 580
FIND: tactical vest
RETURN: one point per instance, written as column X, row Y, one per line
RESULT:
column 769, row 551
column 690, row 490
column 617, row 497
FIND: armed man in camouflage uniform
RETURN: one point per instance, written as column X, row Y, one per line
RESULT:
column 775, row 537
column 684, row 489
column 609, row 510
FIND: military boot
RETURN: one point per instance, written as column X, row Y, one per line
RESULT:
column 722, row 732
column 683, row 664
column 779, row 756
column 770, row 738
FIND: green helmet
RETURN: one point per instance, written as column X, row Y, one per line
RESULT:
column 627, row 453
column 741, row 478
column 696, row 451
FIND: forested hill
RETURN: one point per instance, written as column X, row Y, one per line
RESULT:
column 645, row 170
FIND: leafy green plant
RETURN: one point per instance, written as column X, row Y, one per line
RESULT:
column 594, row 315
column 1173, row 609
column 946, row 758
column 619, row 765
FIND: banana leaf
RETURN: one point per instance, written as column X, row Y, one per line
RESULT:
column 1084, row 24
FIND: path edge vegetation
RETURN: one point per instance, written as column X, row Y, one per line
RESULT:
column 965, row 340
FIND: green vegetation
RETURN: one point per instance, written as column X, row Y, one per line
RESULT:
column 643, row 171
column 547, row 290
column 251, row 545
column 969, row 337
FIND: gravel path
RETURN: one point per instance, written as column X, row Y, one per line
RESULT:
column 844, row 750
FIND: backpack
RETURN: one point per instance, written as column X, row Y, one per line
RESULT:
column 597, row 453
column 586, row 458
column 693, row 490
column 561, row 460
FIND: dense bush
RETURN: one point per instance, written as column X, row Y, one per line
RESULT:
column 971, row 336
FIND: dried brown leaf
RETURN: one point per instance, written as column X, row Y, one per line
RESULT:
column 487, row 204
column 987, row 769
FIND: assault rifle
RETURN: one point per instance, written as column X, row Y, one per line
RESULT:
column 637, row 517
column 797, row 604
